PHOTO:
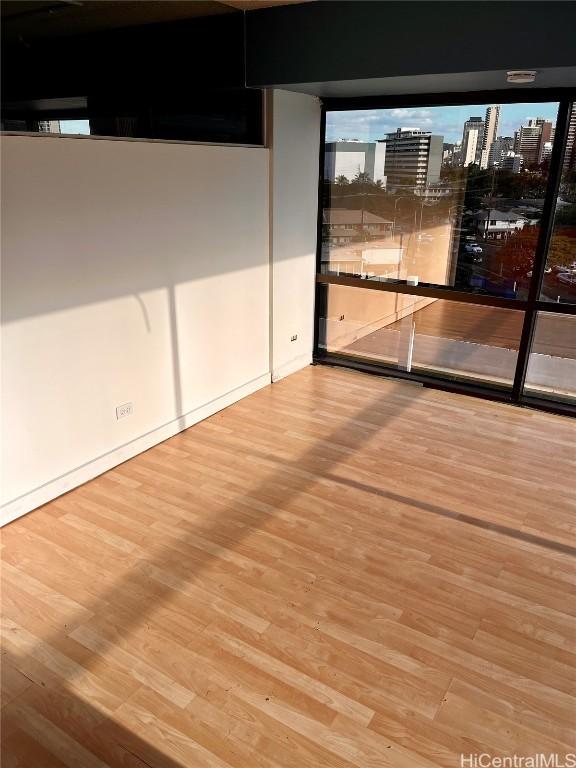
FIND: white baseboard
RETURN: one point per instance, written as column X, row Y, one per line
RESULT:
column 292, row 366
column 75, row 477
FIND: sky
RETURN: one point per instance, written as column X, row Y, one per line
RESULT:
column 75, row 126
column 372, row 124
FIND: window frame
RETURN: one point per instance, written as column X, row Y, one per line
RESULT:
column 81, row 108
column 565, row 97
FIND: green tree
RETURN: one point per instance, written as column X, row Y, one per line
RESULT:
column 478, row 185
column 517, row 254
column 566, row 215
column 362, row 178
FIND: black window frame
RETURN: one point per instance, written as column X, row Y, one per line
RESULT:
column 157, row 117
column 531, row 306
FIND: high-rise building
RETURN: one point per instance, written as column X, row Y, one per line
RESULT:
column 413, row 157
column 498, row 148
column 529, row 140
column 349, row 158
column 526, row 141
column 472, row 138
column 490, row 131
column 451, row 154
column 570, row 154
column 546, row 137
column 510, row 161
column 546, row 152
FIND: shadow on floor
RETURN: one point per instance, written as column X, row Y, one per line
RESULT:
column 458, row 516
column 378, row 414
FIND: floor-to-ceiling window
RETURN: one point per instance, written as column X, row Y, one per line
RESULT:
column 447, row 245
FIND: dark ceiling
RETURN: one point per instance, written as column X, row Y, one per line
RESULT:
column 30, row 20
column 330, row 48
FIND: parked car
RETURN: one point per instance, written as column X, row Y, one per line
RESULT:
column 473, row 248
column 568, row 278
column 547, row 271
column 424, row 237
column 473, row 258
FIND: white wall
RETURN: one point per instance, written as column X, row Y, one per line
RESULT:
column 349, row 164
column 136, row 272
column 294, row 135
column 380, row 162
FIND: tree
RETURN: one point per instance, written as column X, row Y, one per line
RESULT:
column 451, row 173
column 341, row 180
column 562, row 250
column 478, row 183
column 517, row 254
column 362, row 178
column 510, row 185
column 524, row 184
column 566, row 215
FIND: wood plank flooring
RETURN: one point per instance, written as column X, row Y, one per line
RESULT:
column 338, row 571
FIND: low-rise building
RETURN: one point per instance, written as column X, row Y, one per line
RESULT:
column 432, row 193
column 343, row 225
column 498, row 225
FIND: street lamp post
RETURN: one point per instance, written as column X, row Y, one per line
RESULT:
column 402, row 197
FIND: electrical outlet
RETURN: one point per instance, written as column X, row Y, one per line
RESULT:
column 293, row 338
column 341, row 317
column 124, row 410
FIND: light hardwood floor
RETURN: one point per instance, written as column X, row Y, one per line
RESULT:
column 337, row 571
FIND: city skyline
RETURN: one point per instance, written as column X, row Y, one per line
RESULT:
column 373, row 124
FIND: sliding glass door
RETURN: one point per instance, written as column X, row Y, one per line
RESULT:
column 447, row 244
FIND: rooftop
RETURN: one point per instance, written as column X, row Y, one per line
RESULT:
column 348, row 216
column 497, row 215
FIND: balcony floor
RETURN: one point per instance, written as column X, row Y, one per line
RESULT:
column 480, row 325
column 337, row 571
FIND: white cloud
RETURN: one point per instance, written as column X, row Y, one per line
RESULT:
column 403, row 113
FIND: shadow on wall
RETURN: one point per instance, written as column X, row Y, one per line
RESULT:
column 88, row 220
column 129, row 269
column 139, row 272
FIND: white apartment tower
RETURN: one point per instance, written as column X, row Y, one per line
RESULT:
column 570, row 154
column 491, row 122
column 472, row 139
